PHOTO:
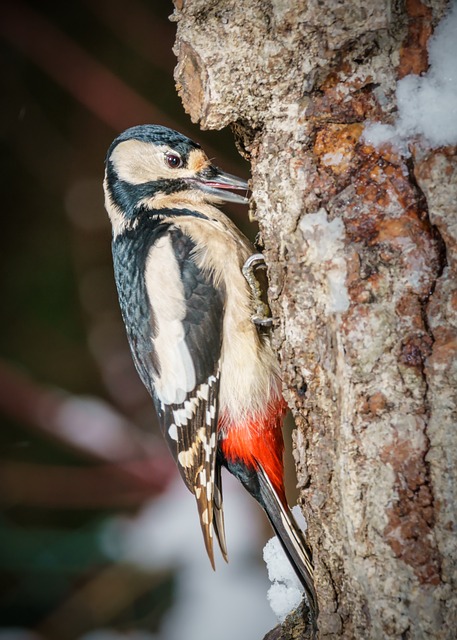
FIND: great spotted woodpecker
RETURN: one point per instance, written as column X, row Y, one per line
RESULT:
column 190, row 298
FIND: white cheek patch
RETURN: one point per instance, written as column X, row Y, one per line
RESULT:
column 138, row 162
column 117, row 218
column 166, row 295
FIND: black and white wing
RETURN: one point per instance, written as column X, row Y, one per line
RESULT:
column 186, row 315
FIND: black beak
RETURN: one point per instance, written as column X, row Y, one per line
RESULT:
column 217, row 184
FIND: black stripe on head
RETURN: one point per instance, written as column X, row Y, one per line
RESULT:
column 128, row 196
column 155, row 134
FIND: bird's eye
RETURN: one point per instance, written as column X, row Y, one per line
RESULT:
column 173, row 160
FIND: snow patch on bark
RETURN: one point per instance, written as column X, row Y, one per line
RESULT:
column 427, row 105
column 286, row 591
column 325, row 243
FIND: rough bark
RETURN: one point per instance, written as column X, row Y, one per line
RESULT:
column 361, row 249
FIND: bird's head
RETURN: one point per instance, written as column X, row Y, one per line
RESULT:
column 150, row 168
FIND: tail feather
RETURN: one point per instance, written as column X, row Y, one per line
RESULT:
column 205, row 506
column 218, row 512
column 211, row 512
column 290, row 536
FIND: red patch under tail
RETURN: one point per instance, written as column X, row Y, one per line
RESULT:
column 258, row 440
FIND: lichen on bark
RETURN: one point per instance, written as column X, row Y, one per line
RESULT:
column 360, row 245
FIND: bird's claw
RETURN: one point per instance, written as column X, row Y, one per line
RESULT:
column 261, row 311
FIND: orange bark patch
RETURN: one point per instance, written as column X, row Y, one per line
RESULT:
column 394, row 229
column 335, row 146
column 374, row 405
column 387, row 208
column 411, row 307
column 344, row 96
column 333, row 103
column 377, row 403
column 444, row 350
column 413, row 53
column 411, row 520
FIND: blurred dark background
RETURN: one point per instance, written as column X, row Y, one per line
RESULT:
column 77, row 439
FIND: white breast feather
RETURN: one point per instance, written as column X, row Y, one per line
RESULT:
column 250, row 371
column 166, row 295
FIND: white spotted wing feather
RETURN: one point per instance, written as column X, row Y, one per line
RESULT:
column 186, row 320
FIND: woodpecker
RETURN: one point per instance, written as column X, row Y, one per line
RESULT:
column 189, row 290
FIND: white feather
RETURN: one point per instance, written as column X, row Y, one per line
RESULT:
column 166, row 294
column 173, row 432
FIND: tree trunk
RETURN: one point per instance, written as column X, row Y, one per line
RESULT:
column 361, row 249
